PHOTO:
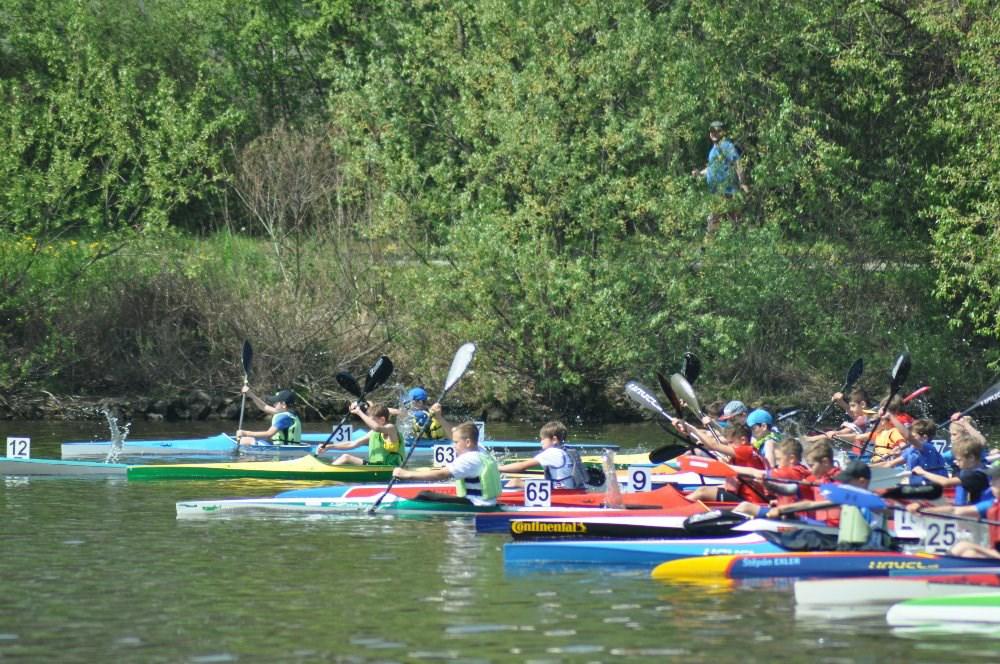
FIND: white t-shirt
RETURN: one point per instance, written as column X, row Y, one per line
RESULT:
column 468, row 466
column 559, row 465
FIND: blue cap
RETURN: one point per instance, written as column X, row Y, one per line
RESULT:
column 759, row 416
column 732, row 409
column 416, row 394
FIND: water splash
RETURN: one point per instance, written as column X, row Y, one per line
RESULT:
column 118, row 436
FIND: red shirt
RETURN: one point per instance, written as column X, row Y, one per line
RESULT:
column 746, row 455
column 797, row 473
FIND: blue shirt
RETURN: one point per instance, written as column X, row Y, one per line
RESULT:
column 720, row 172
column 927, row 458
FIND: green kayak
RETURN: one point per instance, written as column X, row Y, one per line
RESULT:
column 304, row 468
column 977, row 608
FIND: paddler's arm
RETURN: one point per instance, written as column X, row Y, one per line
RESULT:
column 890, row 463
column 267, row 408
column 797, row 506
column 935, row 478
column 435, row 411
column 518, row 466
column 430, row 474
column 257, row 434
column 347, row 444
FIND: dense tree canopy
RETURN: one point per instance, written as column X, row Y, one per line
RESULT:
column 519, row 172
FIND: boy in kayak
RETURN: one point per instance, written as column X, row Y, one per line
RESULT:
column 384, row 445
column 561, row 468
column 285, row 429
column 788, row 454
column 738, row 451
column 857, row 423
column 920, row 453
column 860, row 527
column 967, row 447
column 732, row 412
column 763, row 436
column 474, row 471
column 819, row 460
column 419, row 418
column 988, row 509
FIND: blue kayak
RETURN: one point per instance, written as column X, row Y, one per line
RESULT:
column 224, row 445
column 638, row 553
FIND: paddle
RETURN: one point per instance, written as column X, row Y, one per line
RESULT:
column 459, row 364
column 900, row 370
column 680, row 386
column 691, row 367
column 638, row 393
column 991, row 394
column 853, row 374
column 377, row 374
column 247, row 360
column 715, row 468
column 714, row 522
column 671, row 395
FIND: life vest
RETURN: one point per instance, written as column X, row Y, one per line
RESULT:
column 993, row 514
column 887, row 443
column 486, row 486
column 570, row 474
column 854, row 527
column 290, row 435
column 429, row 425
column 383, row 451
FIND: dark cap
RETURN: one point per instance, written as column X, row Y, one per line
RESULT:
column 286, row 396
column 717, row 124
column 855, row 470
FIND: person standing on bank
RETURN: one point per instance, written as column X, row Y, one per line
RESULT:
column 285, row 426
column 723, row 173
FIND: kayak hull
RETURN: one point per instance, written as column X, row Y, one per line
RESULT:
column 639, row 553
column 303, row 468
column 979, row 608
column 868, row 590
column 812, row 564
column 60, row 468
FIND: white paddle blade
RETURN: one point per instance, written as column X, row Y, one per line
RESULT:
column 638, row 393
column 458, row 365
column 686, row 393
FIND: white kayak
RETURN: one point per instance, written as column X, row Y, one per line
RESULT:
column 60, row 468
column 886, row 590
column 980, row 608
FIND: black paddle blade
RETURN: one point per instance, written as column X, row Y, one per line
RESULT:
column 715, row 522
column 900, row 370
column 853, row 374
column 346, row 381
column 378, row 374
column 691, row 367
column 667, row 452
column 247, row 357
column 989, row 396
column 668, row 390
column 914, row 492
column 640, row 394
column 782, row 488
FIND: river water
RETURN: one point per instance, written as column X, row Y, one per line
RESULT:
column 101, row 570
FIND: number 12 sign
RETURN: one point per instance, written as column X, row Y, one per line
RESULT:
column 18, row 448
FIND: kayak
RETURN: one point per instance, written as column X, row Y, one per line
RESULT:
column 812, row 564
column 225, row 445
column 643, row 527
column 867, row 590
column 60, row 468
column 645, row 553
column 392, row 504
column 302, row 468
column 501, row 522
column 979, row 608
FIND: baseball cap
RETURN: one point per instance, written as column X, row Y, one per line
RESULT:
column 416, row 394
column 853, row 471
column 733, row 408
column 281, row 395
column 759, row 416
column 717, row 124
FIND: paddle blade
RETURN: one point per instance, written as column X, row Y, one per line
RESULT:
column 854, row 373
column 247, row 357
column 920, row 391
column 691, row 367
column 914, row 492
column 671, row 395
column 989, row 396
column 346, row 381
column 667, row 452
column 704, row 466
column 378, row 373
column 463, row 357
column 640, row 394
column 715, row 522
column 684, row 390
column 844, row 494
column 900, row 370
